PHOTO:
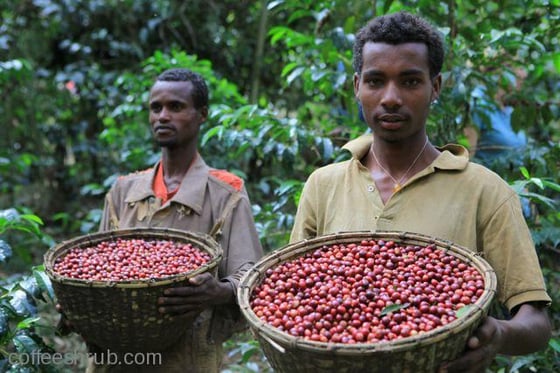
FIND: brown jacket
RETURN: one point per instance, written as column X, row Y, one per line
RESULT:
column 197, row 206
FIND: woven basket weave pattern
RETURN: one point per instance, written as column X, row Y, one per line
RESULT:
column 123, row 315
column 421, row 353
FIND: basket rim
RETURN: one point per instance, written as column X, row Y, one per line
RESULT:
column 202, row 240
column 293, row 250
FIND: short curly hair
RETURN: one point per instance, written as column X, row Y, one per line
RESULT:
column 399, row 28
column 200, row 91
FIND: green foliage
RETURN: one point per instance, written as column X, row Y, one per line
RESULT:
column 19, row 318
column 245, row 355
column 76, row 84
column 546, row 362
column 260, row 143
column 17, row 225
column 19, row 321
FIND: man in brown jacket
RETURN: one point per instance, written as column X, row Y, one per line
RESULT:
column 182, row 192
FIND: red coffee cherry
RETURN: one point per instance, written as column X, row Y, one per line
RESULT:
column 365, row 293
column 130, row 259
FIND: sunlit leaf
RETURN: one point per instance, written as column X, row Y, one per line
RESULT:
column 4, row 327
column 9, row 214
column 539, row 199
column 216, row 131
column 20, row 302
column 5, row 251
column 277, row 33
column 27, row 323
column 273, row 4
column 295, row 74
column 556, row 61
column 554, row 343
column 32, row 218
column 29, row 284
column 318, row 74
column 25, row 344
column 551, row 185
column 523, row 361
column 288, row 68
column 538, row 182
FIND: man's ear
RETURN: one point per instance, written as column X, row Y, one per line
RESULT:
column 356, row 84
column 203, row 111
column 436, row 87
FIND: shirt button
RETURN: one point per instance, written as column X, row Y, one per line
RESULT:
column 370, row 188
column 376, row 217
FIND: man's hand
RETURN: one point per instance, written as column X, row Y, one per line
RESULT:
column 527, row 332
column 203, row 291
column 482, row 347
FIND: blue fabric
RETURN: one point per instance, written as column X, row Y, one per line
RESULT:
column 497, row 139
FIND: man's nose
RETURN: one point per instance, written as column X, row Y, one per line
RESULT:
column 164, row 115
column 391, row 96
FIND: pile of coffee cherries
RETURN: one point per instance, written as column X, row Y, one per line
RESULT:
column 368, row 292
column 130, row 259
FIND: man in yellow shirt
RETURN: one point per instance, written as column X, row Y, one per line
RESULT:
column 398, row 180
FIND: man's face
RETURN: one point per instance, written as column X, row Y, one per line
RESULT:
column 174, row 120
column 395, row 89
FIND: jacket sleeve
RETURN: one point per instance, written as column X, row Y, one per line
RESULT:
column 240, row 242
column 241, row 250
column 109, row 217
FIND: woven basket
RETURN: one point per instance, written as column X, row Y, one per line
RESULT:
column 123, row 315
column 420, row 353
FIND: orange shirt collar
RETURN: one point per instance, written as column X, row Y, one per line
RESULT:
column 160, row 189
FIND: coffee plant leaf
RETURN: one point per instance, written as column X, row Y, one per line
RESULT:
column 4, row 326
column 27, row 323
column 554, row 343
column 24, row 343
column 30, row 286
column 9, row 215
column 463, row 311
column 21, row 304
column 394, row 307
column 44, row 282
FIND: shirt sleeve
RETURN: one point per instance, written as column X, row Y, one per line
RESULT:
column 508, row 247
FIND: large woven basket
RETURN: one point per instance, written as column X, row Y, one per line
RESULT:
column 123, row 316
column 421, row 353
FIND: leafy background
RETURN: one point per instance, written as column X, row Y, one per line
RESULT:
column 75, row 75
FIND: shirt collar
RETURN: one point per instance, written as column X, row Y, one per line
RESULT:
column 190, row 193
column 452, row 157
column 193, row 187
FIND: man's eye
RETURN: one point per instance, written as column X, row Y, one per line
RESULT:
column 412, row 82
column 175, row 106
column 155, row 108
column 374, row 82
